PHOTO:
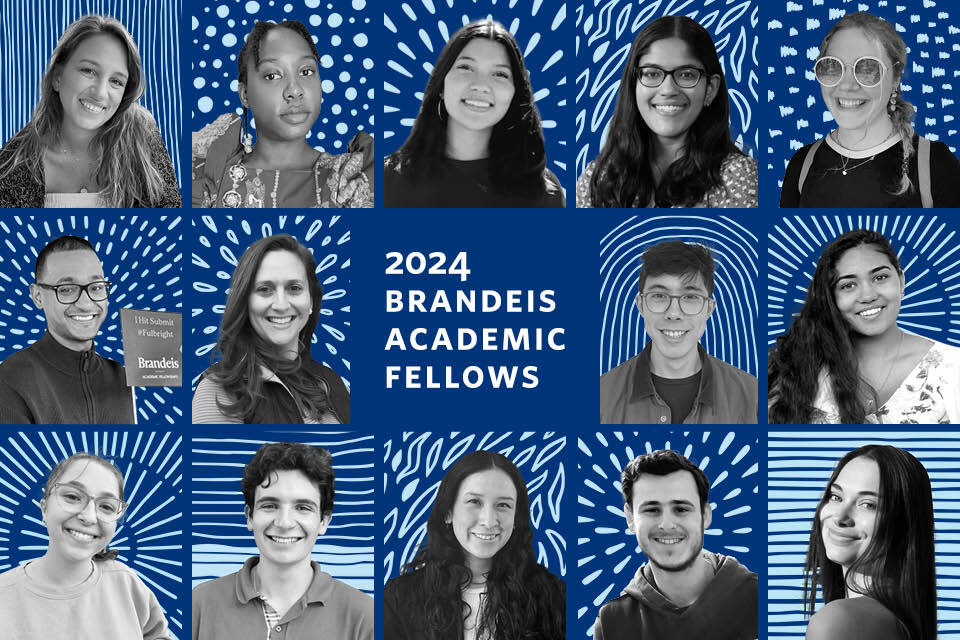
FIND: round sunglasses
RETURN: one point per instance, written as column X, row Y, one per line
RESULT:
column 868, row 71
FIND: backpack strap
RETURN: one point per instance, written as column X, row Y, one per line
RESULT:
column 807, row 161
column 923, row 170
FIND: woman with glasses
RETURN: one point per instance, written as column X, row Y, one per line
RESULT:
column 77, row 589
column 669, row 141
column 874, row 158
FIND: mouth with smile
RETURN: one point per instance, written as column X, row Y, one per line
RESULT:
column 669, row 540
column 674, row 335
column 82, row 317
column 486, row 537
column 91, row 107
column 842, row 538
column 870, row 312
column 669, row 108
column 82, row 536
column 850, row 103
column 280, row 321
column 284, row 539
column 477, row 103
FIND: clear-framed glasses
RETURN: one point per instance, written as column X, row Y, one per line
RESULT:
column 868, row 71
column 74, row 500
column 70, row 293
column 686, row 77
column 690, row 303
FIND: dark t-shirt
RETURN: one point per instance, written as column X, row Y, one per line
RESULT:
column 678, row 393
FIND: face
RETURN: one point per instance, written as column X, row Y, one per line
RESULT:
column 478, row 89
column 72, row 325
column 853, row 106
column 673, row 333
column 280, row 302
column 667, row 520
column 92, row 81
column 483, row 514
column 284, row 91
column 286, row 518
column 849, row 516
column 77, row 537
column 868, row 290
column 670, row 110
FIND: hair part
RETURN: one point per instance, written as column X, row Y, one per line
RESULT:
column 675, row 257
column 58, row 245
column 661, row 463
column 315, row 463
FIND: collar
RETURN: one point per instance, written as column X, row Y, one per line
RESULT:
column 862, row 153
column 61, row 358
column 248, row 588
column 643, row 380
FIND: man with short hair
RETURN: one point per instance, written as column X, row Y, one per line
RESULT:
column 60, row 378
column 683, row 592
column 288, row 492
column 674, row 380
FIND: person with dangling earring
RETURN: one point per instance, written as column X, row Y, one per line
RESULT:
column 280, row 90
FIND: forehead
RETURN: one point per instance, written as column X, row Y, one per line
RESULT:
column 669, row 53
column 864, row 257
column 95, row 478
column 283, row 43
column 493, row 482
column 677, row 485
column 485, row 50
column 281, row 265
column 860, row 474
column 72, row 266
column 677, row 283
column 288, row 484
column 104, row 49
column 850, row 44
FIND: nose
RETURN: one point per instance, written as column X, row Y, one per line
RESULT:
column 847, row 80
column 88, row 515
column 283, row 519
column 488, row 516
column 673, row 309
column 868, row 292
column 85, row 301
column 668, row 86
column 294, row 89
column 280, row 300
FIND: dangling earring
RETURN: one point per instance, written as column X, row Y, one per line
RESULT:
column 246, row 139
column 893, row 102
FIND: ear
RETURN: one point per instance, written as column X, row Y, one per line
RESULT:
column 324, row 523
column 35, row 296
column 639, row 302
column 448, row 519
column 628, row 514
column 903, row 285
column 707, row 516
column 246, row 512
column 711, row 306
column 242, row 90
column 713, row 86
column 57, row 72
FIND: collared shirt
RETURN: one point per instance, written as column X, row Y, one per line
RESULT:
column 727, row 395
column 230, row 608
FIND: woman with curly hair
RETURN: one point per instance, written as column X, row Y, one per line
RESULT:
column 265, row 373
column 477, row 141
column 89, row 144
column 77, row 588
column 476, row 576
column 669, row 140
column 871, row 550
column 874, row 158
column 845, row 360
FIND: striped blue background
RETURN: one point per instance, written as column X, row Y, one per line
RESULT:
column 219, row 536
column 148, row 536
column 30, row 30
column 800, row 464
column 730, row 330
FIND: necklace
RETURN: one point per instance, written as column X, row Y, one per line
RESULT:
column 844, row 169
column 255, row 187
column 74, row 159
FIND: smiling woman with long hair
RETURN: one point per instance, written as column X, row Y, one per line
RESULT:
column 871, row 550
column 89, row 144
column 265, row 373
column 477, row 140
column 78, row 589
column 845, row 360
column 476, row 576
column 669, row 141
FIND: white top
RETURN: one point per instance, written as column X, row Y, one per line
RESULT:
column 74, row 201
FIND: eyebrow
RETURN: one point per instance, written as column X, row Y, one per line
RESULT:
column 314, row 503
column 686, row 287
column 277, row 60
column 291, row 280
column 72, row 280
column 874, row 270
column 83, row 487
column 98, row 65
column 648, row 503
column 472, row 59
column 480, row 495
column 861, row 493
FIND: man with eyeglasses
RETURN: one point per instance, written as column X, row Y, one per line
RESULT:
column 60, row 379
column 674, row 380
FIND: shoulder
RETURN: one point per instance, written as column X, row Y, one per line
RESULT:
column 853, row 618
column 618, row 611
column 941, row 158
column 12, row 578
column 404, row 588
column 202, row 141
column 583, row 185
column 117, row 572
column 731, row 373
column 553, row 191
column 617, row 379
column 350, row 598
column 737, row 163
column 18, row 360
column 217, row 590
column 206, row 400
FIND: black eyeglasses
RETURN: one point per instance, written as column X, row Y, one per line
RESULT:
column 690, row 303
column 686, row 77
column 70, row 293
column 74, row 500
column 868, row 71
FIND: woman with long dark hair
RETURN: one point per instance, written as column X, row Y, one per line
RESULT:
column 280, row 89
column 265, row 373
column 477, row 140
column 871, row 550
column 845, row 360
column 78, row 589
column 874, row 158
column 476, row 576
column 89, row 144
column 669, row 141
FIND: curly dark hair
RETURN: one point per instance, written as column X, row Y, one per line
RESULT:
column 313, row 462
column 676, row 257
column 521, row 595
column 820, row 340
column 250, row 52
column 900, row 558
column 516, row 147
column 622, row 175
column 661, row 463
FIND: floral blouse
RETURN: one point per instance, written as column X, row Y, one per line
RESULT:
column 930, row 394
column 738, row 175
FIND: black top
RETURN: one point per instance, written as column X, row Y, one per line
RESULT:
column 868, row 183
column 678, row 393
column 462, row 184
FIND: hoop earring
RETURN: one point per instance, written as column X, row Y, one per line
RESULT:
column 246, row 139
column 440, row 108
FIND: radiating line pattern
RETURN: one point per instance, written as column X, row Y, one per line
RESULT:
column 30, row 29
column 219, row 536
column 221, row 240
column 149, row 534
column 925, row 245
column 422, row 28
column 730, row 330
column 141, row 255
column 605, row 32
column 800, row 115
column 341, row 31
column 415, row 463
column 607, row 552
column 799, row 466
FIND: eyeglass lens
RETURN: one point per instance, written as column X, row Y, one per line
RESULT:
column 686, row 77
column 75, row 501
column 70, row 293
column 867, row 71
column 690, row 304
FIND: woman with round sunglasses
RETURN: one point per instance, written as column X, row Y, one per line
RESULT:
column 874, row 158
column 669, row 141
column 77, row 589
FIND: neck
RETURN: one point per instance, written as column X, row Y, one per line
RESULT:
column 479, row 567
column 665, row 152
column 281, row 154
column 858, row 580
column 683, row 588
column 61, row 572
column 75, row 139
column 72, row 345
column 283, row 582
column 675, row 367
column 885, row 343
column 869, row 135
column 467, row 144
